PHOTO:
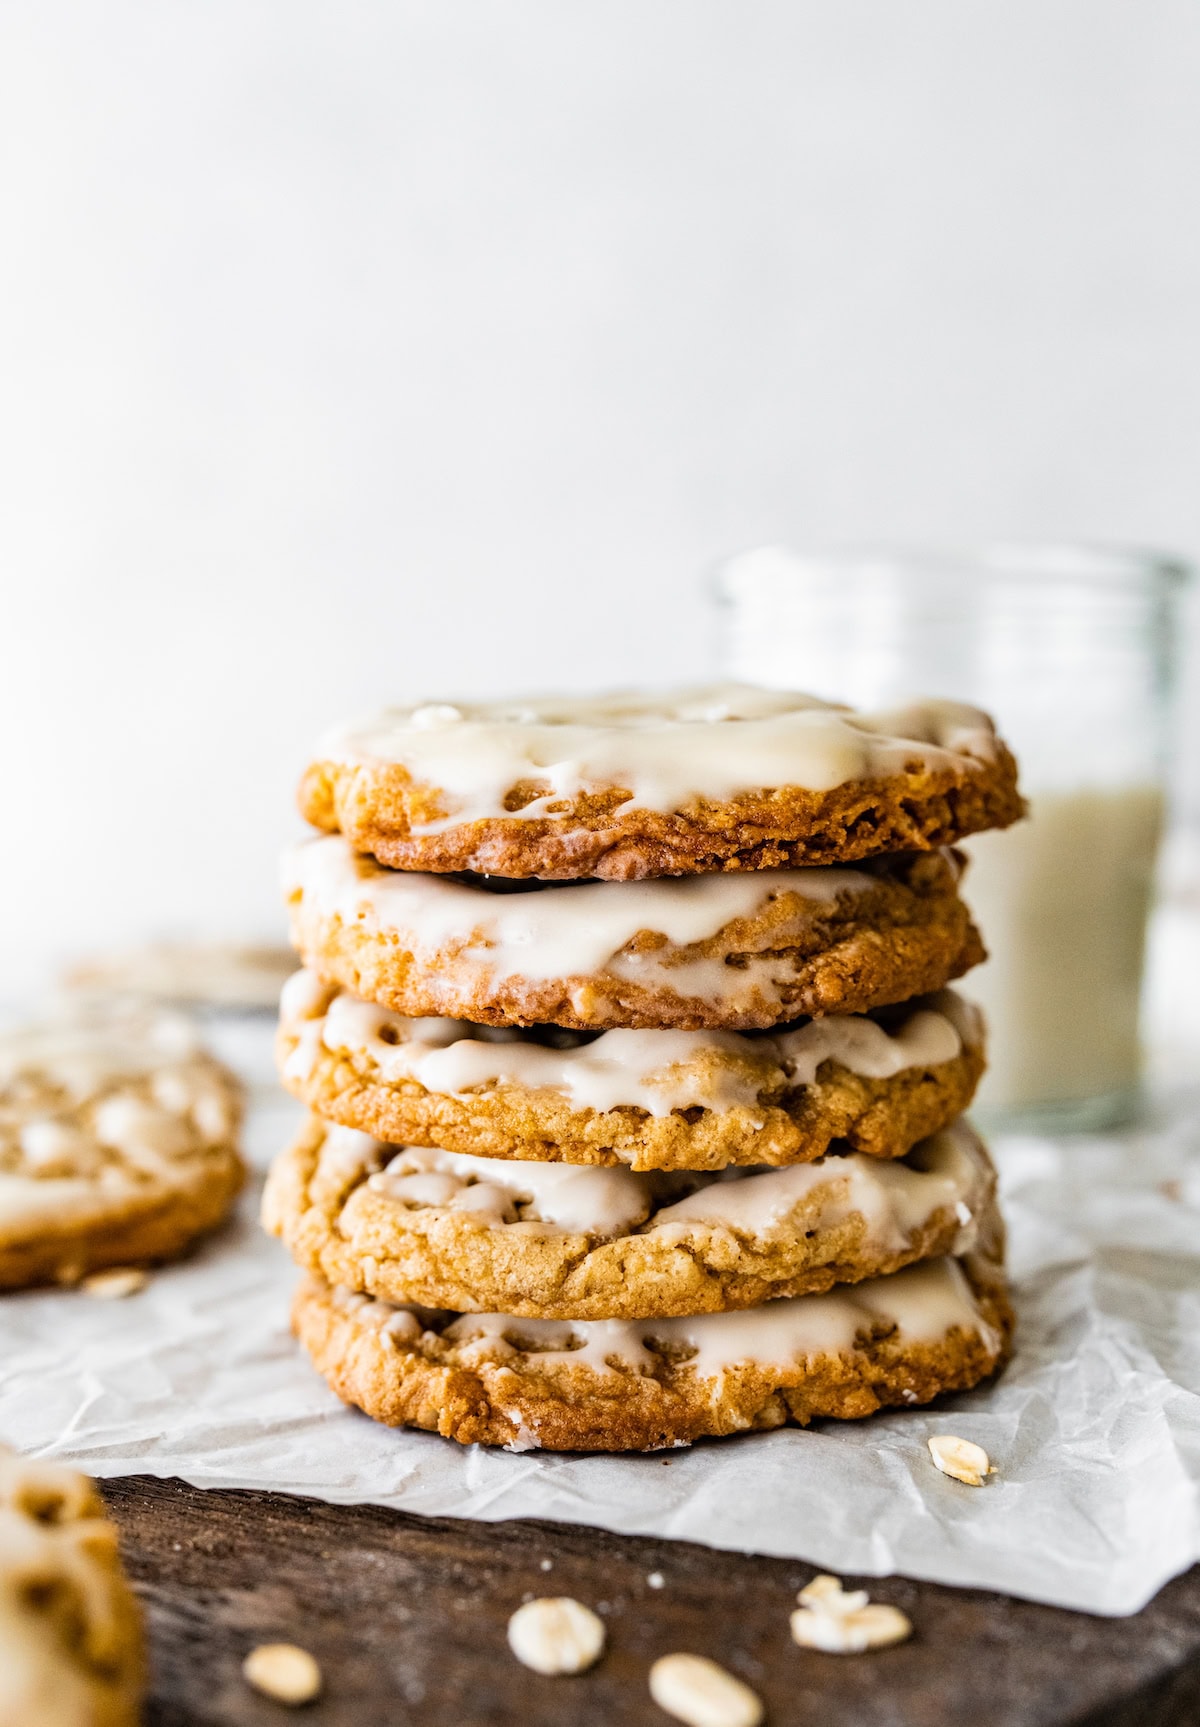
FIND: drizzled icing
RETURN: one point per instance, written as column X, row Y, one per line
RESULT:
column 947, row 1172
column 571, row 930
column 934, row 1031
column 895, row 1199
column 658, row 1071
column 664, row 751
column 584, row 1201
column 923, row 1303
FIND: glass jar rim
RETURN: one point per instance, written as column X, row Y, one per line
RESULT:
column 1034, row 561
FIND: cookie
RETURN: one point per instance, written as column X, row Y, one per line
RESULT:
column 650, row 1099
column 71, row 1647
column 626, row 1385
column 727, row 777
column 740, row 951
column 533, row 1240
column 117, row 1145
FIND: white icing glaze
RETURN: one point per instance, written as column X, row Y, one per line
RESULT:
column 589, row 1201
column 927, row 1037
column 665, row 751
column 924, row 1302
column 352, row 1150
column 896, row 1199
column 946, row 1172
column 658, row 1071
column 568, row 931
column 301, row 996
column 965, row 1016
column 593, row 1343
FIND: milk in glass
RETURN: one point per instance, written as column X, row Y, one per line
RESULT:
column 1062, row 900
column 1069, row 648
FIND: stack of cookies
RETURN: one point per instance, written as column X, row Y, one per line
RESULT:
column 634, row 1073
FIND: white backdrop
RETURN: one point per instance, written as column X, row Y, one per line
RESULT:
column 383, row 346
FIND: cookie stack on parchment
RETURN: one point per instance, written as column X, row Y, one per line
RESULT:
column 634, row 1074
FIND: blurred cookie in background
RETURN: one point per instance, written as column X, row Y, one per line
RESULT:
column 118, row 1144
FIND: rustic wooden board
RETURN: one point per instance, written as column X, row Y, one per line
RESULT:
column 407, row 1616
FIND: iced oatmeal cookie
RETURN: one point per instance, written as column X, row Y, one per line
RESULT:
column 727, row 777
column 626, row 1385
column 649, row 1099
column 548, row 1241
column 738, row 952
column 117, row 1145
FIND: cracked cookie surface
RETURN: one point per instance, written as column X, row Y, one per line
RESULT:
column 649, row 1099
column 494, row 1379
column 117, row 1145
column 547, row 1241
column 625, row 787
column 720, row 951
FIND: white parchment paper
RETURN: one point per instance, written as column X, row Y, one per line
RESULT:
column 1095, row 1429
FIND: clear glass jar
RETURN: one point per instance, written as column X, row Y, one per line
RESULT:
column 1070, row 648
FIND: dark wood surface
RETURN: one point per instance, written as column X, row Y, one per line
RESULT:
column 407, row 1617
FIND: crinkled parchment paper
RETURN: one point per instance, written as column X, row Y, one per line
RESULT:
column 1095, row 1429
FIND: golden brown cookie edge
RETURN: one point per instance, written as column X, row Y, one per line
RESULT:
column 574, row 1409
column 906, row 934
column 453, row 1260
column 375, row 806
column 152, row 1229
column 881, row 1117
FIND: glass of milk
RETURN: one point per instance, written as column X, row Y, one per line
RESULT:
column 1070, row 649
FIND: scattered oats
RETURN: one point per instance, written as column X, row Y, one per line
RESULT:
column 556, row 1635
column 826, row 1595
column 284, row 1672
column 656, row 1580
column 845, row 1621
column 698, row 1692
column 113, row 1285
column 960, row 1458
column 876, row 1626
